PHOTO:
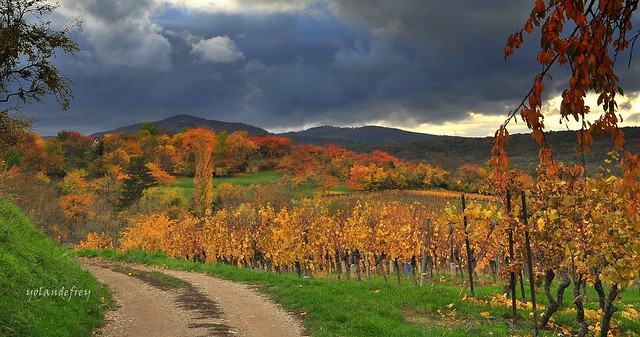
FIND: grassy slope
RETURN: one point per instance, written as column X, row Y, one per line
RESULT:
column 30, row 260
column 375, row 308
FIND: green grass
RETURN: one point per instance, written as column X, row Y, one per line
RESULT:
column 245, row 179
column 30, row 261
column 375, row 308
column 258, row 178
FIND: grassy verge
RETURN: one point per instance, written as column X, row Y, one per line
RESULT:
column 43, row 290
column 375, row 308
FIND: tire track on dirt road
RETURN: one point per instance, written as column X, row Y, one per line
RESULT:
column 195, row 305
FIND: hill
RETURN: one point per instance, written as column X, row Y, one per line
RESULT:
column 451, row 152
column 448, row 152
column 364, row 135
column 32, row 265
column 178, row 123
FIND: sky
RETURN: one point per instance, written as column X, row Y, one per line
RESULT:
column 430, row 66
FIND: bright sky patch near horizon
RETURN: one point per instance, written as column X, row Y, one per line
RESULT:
column 427, row 66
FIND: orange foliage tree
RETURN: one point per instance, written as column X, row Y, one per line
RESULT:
column 162, row 177
column 202, row 143
column 366, row 178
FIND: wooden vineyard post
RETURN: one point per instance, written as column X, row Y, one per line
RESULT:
column 530, row 263
column 367, row 266
column 452, row 270
column 356, row 263
column 512, row 283
column 425, row 249
column 469, row 253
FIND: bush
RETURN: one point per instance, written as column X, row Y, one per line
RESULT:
column 234, row 195
column 159, row 199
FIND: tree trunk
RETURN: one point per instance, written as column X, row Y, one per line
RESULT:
column 577, row 300
column 298, row 269
column 609, row 309
column 347, row 266
column 380, row 267
column 566, row 282
column 553, row 304
column 600, row 290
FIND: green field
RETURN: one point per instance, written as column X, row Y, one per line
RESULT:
column 32, row 267
column 332, row 307
column 245, row 179
column 249, row 179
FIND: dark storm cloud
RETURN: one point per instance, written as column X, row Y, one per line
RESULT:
column 289, row 64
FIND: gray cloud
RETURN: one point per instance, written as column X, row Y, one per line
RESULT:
column 284, row 64
column 120, row 32
column 439, row 26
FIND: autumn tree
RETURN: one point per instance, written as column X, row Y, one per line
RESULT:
column 161, row 177
column 77, row 148
column 28, row 43
column 366, row 178
column 201, row 142
column 271, row 149
column 240, row 148
column 308, row 165
column 233, row 153
column 31, row 149
column 54, row 164
column 470, row 178
column 12, row 129
column 588, row 37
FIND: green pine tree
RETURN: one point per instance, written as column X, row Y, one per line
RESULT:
column 139, row 178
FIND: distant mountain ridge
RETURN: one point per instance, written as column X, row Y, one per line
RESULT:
column 321, row 135
column 363, row 135
column 178, row 123
column 445, row 151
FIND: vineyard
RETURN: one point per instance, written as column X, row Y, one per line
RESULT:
column 554, row 244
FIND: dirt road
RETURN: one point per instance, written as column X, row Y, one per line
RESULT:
column 160, row 302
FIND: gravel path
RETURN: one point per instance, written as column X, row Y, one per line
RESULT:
column 202, row 305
